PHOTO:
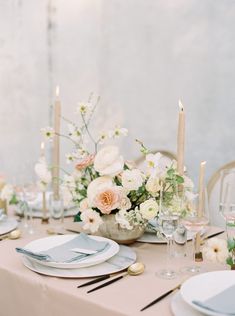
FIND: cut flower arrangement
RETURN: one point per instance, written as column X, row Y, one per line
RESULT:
column 104, row 184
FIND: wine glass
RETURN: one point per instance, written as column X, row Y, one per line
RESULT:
column 196, row 219
column 168, row 223
column 56, row 208
column 227, row 201
column 30, row 194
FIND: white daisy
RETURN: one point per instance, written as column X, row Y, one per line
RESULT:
column 91, row 220
column 84, row 108
column 118, row 131
column 103, row 137
column 215, row 250
column 48, row 133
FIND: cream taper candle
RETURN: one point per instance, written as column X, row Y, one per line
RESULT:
column 56, row 146
column 44, row 204
column 181, row 139
column 201, row 188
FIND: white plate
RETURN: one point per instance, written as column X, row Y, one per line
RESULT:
column 203, row 286
column 180, row 308
column 152, row 238
column 7, row 225
column 122, row 260
column 53, row 241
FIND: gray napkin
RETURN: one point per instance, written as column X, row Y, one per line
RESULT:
column 63, row 253
column 223, row 303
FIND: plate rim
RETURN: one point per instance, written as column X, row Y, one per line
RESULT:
column 24, row 261
column 13, row 220
column 72, row 265
column 201, row 309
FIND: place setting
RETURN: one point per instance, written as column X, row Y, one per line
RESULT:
column 76, row 256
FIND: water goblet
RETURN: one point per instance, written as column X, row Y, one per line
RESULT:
column 168, row 222
column 195, row 222
column 56, row 208
column 227, row 199
column 30, row 196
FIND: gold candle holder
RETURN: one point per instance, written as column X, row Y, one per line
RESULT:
column 45, row 218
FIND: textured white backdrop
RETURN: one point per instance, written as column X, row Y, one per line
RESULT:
column 139, row 55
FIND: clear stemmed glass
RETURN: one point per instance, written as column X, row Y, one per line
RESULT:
column 227, row 199
column 56, row 208
column 195, row 222
column 30, row 194
column 168, row 222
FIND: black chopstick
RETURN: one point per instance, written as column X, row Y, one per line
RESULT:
column 99, row 279
column 160, row 297
column 106, row 283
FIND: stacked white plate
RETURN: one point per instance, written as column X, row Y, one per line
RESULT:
column 7, row 224
column 201, row 288
column 116, row 258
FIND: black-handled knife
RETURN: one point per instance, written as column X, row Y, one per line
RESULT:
column 107, row 283
column 99, row 279
column 160, row 297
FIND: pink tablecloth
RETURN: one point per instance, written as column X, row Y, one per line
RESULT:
column 25, row 293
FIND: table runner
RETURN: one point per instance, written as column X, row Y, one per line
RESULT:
column 23, row 292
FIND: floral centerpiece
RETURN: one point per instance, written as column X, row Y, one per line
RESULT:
column 103, row 185
column 7, row 194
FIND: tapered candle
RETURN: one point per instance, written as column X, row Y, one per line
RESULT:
column 181, row 139
column 44, row 204
column 56, row 146
column 201, row 188
column 200, row 204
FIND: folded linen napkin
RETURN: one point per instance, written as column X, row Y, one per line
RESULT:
column 223, row 302
column 63, row 253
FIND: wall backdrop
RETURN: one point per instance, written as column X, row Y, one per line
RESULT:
column 141, row 56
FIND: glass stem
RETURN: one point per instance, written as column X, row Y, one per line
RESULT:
column 168, row 255
column 194, row 248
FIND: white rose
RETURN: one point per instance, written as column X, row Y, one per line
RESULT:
column 153, row 186
column 132, row 179
column 42, row 171
column 121, row 219
column 7, row 192
column 108, row 161
column 97, row 185
column 125, row 203
column 149, row 209
column 215, row 250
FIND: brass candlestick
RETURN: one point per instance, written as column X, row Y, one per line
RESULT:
column 45, row 218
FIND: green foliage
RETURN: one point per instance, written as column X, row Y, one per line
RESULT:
column 77, row 217
column 14, row 200
column 229, row 261
column 231, row 244
column 231, row 249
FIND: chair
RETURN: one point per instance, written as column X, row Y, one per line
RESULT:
column 213, row 190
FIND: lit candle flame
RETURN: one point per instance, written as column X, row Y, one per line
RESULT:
column 57, row 91
column 181, row 105
column 42, row 145
column 203, row 163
